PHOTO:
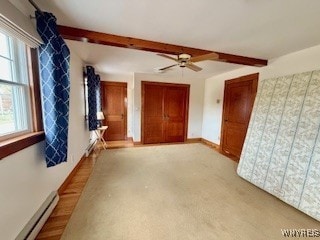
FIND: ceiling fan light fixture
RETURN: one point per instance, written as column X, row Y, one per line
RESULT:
column 184, row 56
column 183, row 60
column 183, row 64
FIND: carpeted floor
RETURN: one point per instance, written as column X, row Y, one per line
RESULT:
column 176, row 192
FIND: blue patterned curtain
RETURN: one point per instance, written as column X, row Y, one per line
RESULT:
column 98, row 93
column 94, row 99
column 54, row 58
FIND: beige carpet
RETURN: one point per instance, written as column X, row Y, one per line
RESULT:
column 185, row 191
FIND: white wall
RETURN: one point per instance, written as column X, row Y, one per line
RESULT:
column 195, row 103
column 301, row 61
column 25, row 182
column 128, row 78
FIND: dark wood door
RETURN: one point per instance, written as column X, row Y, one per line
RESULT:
column 153, row 113
column 174, row 111
column 114, row 107
column 239, row 95
column 164, row 112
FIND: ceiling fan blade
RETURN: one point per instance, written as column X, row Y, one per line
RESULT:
column 165, row 68
column 193, row 67
column 166, row 56
column 209, row 56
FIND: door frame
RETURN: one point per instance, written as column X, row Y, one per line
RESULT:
column 124, row 84
column 187, row 86
column 254, row 77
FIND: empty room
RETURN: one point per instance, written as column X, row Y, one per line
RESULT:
column 159, row 120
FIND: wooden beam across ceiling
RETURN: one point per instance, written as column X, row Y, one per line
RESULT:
column 83, row 35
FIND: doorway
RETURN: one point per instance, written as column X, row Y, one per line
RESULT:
column 164, row 112
column 114, row 107
column 239, row 95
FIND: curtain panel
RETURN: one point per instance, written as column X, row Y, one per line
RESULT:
column 54, row 61
column 94, row 97
column 98, row 93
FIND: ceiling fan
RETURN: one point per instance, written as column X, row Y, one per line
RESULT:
column 185, row 60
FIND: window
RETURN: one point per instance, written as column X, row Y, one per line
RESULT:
column 14, row 88
column 20, row 109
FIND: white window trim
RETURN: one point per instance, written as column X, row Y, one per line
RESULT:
column 19, row 71
column 18, row 25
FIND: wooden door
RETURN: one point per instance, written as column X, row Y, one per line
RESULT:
column 164, row 112
column 239, row 95
column 153, row 113
column 114, row 107
column 174, row 112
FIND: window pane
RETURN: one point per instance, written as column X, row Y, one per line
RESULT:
column 13, row 112
column 19, row 69
column 14, row 98
column 4, row 46
column 5, row 69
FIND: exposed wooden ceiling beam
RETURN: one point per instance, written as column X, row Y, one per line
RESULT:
column 83, row 35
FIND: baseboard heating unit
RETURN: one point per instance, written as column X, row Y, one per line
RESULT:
column 90, row 148
column 33, row 227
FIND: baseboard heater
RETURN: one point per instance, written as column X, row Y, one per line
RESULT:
column 33, row 227
column 90, row 148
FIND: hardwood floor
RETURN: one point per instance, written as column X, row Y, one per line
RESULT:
column 120, row 144
column 56, row 223
column 59, row 218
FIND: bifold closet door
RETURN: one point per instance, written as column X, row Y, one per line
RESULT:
column 153, row 114
column 175, row 112
column 164, row 112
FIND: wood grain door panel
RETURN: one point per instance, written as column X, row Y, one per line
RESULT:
column 239, row 95
column 233, row 145
column 153, row 114
column 164, row 112
column 114, row 99
column 153, row 131
column 238, row 109
column 174, row 111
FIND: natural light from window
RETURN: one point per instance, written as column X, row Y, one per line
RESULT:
column 14, row 88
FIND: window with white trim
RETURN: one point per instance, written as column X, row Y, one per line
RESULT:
column 15, row 109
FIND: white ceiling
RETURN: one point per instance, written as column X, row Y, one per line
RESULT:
column 256, row 28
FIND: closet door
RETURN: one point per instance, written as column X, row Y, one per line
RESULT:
column 175, row 114
column 164, row 112
column 153, row 107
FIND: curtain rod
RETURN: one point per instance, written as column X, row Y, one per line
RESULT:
column 35, row 6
